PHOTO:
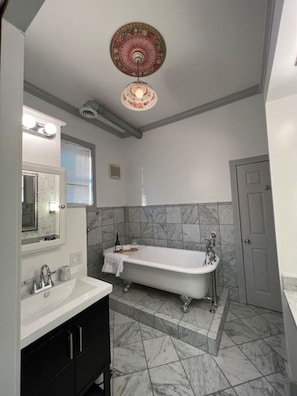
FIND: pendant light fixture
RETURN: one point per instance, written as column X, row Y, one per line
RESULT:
column 138, row 49
column 138, row 95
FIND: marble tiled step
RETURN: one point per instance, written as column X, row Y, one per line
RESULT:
column 148, row 362
column 162, row 311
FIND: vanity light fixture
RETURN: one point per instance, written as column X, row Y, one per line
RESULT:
column 29, row 121
column 30, row 125
column 53, row 206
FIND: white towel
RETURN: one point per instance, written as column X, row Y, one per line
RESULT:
column 113, row 263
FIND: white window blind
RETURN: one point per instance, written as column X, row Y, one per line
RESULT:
column 77, row 160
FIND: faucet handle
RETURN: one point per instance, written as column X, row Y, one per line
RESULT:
column 41, row 281
column 45, row 275
column 213, row 238
column 50, row 281
column 34, row 287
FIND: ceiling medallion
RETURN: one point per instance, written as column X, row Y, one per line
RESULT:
column 134, row 40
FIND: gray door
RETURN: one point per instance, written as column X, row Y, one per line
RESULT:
column 258, row 235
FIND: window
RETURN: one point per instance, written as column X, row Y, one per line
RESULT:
column 78, row 157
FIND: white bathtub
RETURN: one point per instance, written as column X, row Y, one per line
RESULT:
column 174, row 270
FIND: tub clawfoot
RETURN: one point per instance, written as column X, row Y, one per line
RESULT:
column 187, row 301
column 127, row 286
column 213, row 307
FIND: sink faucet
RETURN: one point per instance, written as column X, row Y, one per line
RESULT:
column 45, row 280
column 46, row 276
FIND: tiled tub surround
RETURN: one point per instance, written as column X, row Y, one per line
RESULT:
column 105, row 225
column 162, row 311
column 184, row 226
column 250, row 362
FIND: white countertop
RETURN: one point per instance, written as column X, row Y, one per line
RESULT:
column 291, row 297
column 42, row 312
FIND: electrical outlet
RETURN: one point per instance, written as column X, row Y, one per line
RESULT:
column 76, row 258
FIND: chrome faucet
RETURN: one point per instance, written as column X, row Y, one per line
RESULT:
column 46, row 276
column 210, row 243
column 45, row 280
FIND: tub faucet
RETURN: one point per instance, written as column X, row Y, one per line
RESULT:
column 210, row 243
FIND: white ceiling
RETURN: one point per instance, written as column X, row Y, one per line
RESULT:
column 215, row 48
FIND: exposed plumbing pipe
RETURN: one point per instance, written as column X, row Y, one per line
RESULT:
column 108, row 115
column 92, row 109
column 90, row 227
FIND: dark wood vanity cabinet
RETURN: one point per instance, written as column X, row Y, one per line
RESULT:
column 66, row 361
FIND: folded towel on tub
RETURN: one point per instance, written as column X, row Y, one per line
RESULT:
column 113, row 263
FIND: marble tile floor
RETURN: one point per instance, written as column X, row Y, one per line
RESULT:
column 251, row 359
column 162, row 311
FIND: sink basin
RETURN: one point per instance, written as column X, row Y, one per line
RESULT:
column 39, row 305
column 40, row 313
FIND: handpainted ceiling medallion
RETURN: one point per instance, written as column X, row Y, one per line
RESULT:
column 137, row 49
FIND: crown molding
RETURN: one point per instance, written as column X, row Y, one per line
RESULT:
column 254, row 90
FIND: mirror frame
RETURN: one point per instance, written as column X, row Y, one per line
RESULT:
column 61, row 172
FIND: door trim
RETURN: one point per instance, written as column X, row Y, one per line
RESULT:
column 233, row 164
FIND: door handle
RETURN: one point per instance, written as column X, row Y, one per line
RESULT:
column 247, row 241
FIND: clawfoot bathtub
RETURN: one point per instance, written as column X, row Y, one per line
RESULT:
column 179, row 271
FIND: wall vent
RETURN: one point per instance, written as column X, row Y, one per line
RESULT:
column 114, row 171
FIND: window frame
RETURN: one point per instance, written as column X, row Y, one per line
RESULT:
column 92, row 148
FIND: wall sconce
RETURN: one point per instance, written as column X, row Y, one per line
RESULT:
column 30, row 125
column 53, row 206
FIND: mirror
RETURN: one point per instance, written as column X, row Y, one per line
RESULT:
column 29, row 201
column 43, row 203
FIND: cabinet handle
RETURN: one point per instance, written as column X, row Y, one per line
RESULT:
column 70, row 339
column 80, row 332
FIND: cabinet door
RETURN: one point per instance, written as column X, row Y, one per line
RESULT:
column 93, row 344
column 47, row 367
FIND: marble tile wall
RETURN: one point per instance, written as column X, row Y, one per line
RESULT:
column 184, row 226
column 103, row 227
